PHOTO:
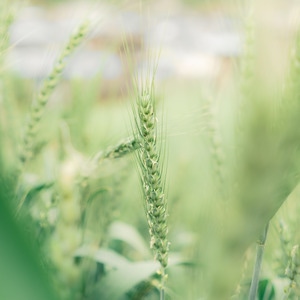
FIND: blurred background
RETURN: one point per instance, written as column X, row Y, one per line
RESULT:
column 196, row 39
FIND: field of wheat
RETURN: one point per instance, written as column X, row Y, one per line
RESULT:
column 151, row 186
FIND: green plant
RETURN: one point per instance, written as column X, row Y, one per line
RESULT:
column 46, row 91
column 77, row 191
column 152, row 177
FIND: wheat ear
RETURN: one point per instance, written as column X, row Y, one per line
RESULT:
column 152, row 178
column 47, row 89
column 292, row 271
column 121, row 149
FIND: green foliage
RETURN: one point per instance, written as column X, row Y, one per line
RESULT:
column 266, row 290
column 22, row 273
column 81, row 232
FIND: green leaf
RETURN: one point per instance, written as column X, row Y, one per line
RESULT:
column 36, row 189
column 105, row 256
column 21, row 275
column 128, row 234
column 266, row 290
column 117, row 282
column 175, row 259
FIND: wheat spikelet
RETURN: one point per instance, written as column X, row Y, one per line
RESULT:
column 149, row 160
column 47, row 89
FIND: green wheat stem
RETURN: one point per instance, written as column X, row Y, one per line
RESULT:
column 258, row 262
column 162, row 294
column 162, row 287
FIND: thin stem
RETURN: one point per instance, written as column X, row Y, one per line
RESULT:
column 162, row 294
column 162, row 283
column 258, row 262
